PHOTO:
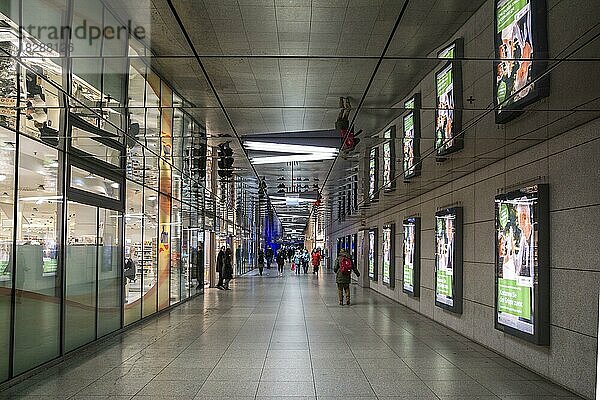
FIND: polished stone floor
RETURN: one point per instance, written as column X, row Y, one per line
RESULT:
column 274, row 337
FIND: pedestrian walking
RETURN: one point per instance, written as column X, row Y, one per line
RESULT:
column 261, row 261
column 227, row 269
column 280, row 261
column 343, row 269
column 316, row 260
column 220, row 263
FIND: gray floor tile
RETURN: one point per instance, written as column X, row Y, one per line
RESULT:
column 286, row 375
column 225, row 389
column 286, row 389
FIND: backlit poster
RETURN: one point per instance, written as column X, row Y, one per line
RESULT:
column 372, row 259
column 520, row 36
column 411, row 236
column 389, row 159
column 522, row 263
column 448, row 89
column 387, row 253
column 448, row 259
column 373, row 193
column 411, row 124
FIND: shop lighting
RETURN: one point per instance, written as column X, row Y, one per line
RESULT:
column 298, row 157
column 288, row 148
column 2, row 177
column 152, row 198
column 114, row 185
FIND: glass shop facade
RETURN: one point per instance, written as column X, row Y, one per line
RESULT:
column 104, row 206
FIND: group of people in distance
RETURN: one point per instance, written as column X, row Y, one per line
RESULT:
column 299, row 259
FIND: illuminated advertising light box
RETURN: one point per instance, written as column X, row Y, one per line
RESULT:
column 411, row 256
column 448, row 259
column 373, row 273
column 522, row 264
column 448, row 111
column 411, row 142
column 389, row 159
column 373, row 193
column 520, row 38
column 388, row 267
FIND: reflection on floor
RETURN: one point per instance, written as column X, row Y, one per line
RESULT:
column 272, row 336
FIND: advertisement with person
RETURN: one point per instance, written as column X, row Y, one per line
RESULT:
column 519, row 251
column 372, row 255
column 444, row 114
column 373, row 174
column 408, row 144
column 411, row 256
column 389, row 158
column 388, row 255
column 515, row 48
column 448, row 259
column 411, row 126
column 516, row 244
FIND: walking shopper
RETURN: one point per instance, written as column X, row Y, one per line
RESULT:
column 227, row 269
column 316, row 260
column 305, row 260
column 298, row 261
column 280, row 261
column 290, row 253
column 220, row 263
column 261, row 261
column 343, row 269
column 269, row 254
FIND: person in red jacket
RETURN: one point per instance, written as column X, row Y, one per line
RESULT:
column 342, row 125
column 316, row 260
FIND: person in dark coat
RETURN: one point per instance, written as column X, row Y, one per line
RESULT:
column 269, row 254
column 261, row 261
column 280, row 261
column 343, row 278
column 220, row 263
column 227, row 269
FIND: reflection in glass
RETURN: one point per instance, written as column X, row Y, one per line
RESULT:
column 176, row 270
column 109, row 271
column 7, row 189
column 149, row 252
column 95, row 184
column 80, row 275
column 134, row 249
column 37, row 312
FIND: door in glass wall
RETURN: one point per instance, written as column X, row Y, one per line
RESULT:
column 39, row 205
column 7, row 192
column 80, row 275
column 109, row 271
column 134, row 250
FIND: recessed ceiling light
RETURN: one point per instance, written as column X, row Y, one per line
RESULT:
column 2, row 177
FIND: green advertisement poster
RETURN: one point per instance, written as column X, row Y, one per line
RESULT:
column 410, row 104
column 444, row 283
column 509, row 11
column 408, row 276
column 444, row 81
column 408, row 125
column 514, row 299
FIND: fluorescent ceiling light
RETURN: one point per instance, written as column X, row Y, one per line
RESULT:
column 288, row 148
column 298, row 157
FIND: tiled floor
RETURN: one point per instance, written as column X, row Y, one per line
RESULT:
column 272, row 337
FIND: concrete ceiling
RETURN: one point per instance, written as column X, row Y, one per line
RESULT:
column 281, row 66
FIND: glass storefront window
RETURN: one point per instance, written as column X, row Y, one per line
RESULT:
column 39, row 205
column 95, row 184
column 109, row 271
column 84, row 141
column 134, row 250
column 149, row 253
column 176, row 268
column 80, row 275
column 7, row 189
